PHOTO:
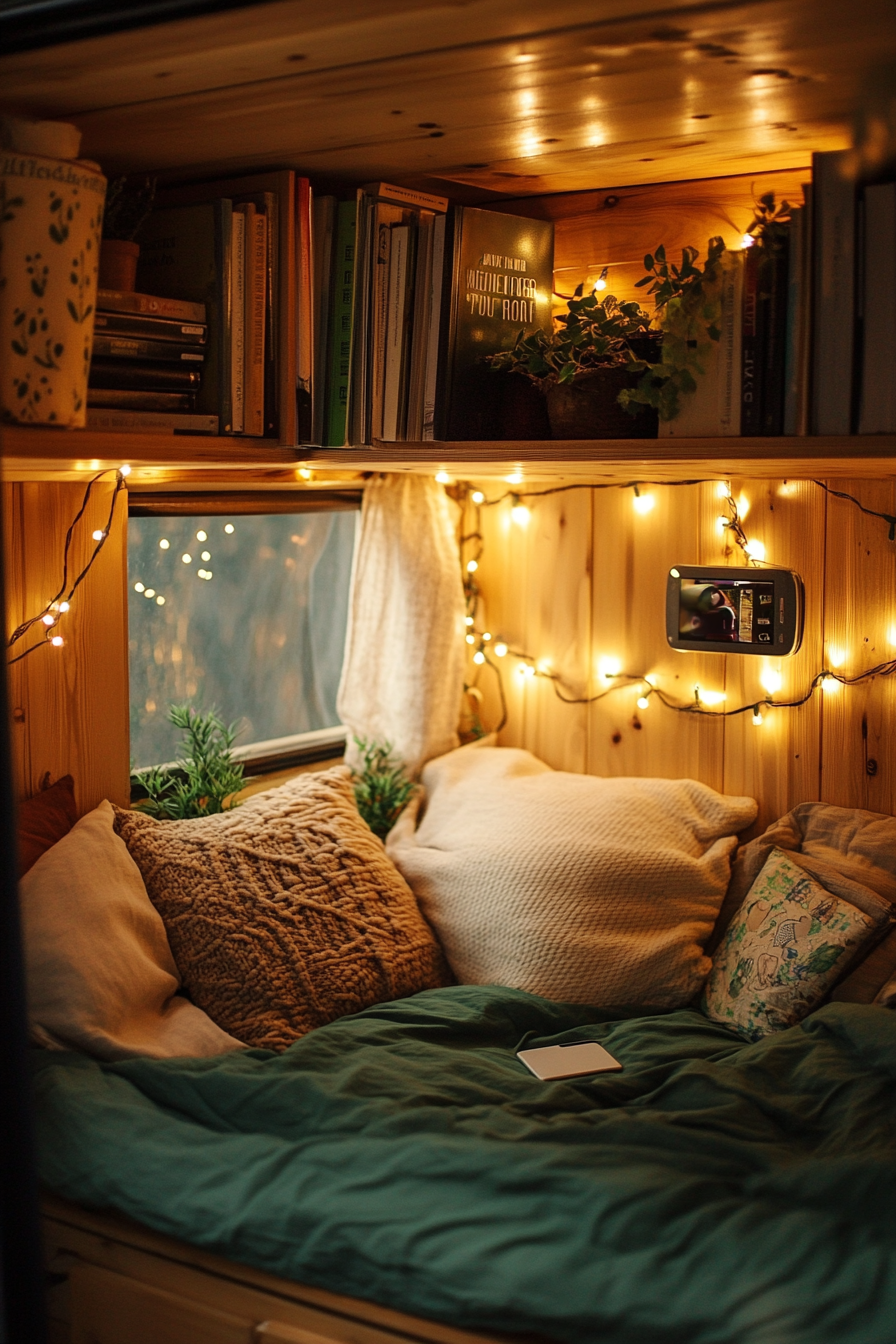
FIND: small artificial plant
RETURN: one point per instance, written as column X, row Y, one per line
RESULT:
column 205, row 776
column 382, row 787
column 595, row 334
column 128, row 203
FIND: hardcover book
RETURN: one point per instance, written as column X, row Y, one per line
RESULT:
column 833, row 197
column 132, row 347
column 132, row 375
column 341, row 323
column 186, row 251
column 152, row 305
column 153, row 422
column 878, row 389
column 135, row 399
column 152, row 328
column 498, row 282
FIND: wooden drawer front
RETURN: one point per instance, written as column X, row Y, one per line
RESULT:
column 111, row 1309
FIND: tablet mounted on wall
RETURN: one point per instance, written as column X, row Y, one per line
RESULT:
column 720, row 609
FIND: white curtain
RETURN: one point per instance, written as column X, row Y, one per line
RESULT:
column 403, row 674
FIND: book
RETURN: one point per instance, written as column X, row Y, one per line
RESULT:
column 151, row 421
column 323, row 225
column 383, row 219
column 497, row 282
column 419, row 333
column 274, row 193
column 434, row 327
column 238, row 317
column 152, row 328
column 341, row 323
column 420, row 200
column 133, row 399
column 877, row 408
column 186, row 250
column 131, row 347
column 359, row 389
column 151, row 305
column 152, row 377
column 796, row 327
column 714, row 409
column 256, row 284
column 750, row 388
column 771, row 320
column 395, row 332
column 304, row 301
column 833, row 294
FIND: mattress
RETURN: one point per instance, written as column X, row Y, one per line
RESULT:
column 714, row 1192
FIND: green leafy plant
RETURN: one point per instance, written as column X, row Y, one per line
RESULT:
column 594, row 334
column 382, row 787
column 129, row 201
column 770, row 224
column 688, row 303
column 204, row 777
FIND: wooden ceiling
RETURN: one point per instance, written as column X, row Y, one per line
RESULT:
column 517, row 98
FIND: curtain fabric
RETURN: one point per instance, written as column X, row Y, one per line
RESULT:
column 403, row 674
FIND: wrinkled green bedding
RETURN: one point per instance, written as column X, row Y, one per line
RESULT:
column 712, row 1193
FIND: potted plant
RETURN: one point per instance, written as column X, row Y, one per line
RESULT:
column 595, row 352
column 128, row 202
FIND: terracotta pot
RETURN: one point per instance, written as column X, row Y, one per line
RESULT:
column 118, row 264
column 587, row 408
column 50, row 231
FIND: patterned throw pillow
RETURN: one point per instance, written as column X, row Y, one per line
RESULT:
column 785, row 948
column 284, row 913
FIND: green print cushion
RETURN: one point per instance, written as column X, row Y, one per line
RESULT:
column 785, row 948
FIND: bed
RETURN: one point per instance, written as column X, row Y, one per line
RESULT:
column 395, row 1173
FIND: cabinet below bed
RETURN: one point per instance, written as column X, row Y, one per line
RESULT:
column 114, row 1282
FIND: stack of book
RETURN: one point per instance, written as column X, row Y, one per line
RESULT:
column 809, row 326
column 147, row 365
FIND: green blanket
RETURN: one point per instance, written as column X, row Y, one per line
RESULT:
column 711, row 1193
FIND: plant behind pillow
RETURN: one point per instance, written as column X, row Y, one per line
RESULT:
column 203, row 779
column 382, row 788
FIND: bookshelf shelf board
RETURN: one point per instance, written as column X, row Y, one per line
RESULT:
column 33, row 453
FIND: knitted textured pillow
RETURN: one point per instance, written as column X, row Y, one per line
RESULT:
column 284, row 913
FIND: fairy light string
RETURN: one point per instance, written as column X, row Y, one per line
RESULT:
column 50, row 616
column 489, row 648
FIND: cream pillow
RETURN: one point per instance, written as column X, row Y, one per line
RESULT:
column 599, row 891
column 99, row 970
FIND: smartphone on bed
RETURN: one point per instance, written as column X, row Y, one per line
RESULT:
column 568, row 1061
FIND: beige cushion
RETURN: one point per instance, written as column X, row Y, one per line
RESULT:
column 284, row 913
column 587, row 890
column 100, row 973
column 834, row 845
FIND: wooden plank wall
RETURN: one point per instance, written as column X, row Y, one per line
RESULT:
column 69, row 705
column 584, row 583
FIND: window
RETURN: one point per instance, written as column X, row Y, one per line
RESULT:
column 244, row 612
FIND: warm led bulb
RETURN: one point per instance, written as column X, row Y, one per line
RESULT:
column 478, row 656
column 520, row 515
column 771, row 680
column 757, row 717
column 743, row 506
column 723, row 490
column 98, row 534
column 472, row 566
column 150, row 592
column 206, row 555
column 200, row 573
column 609, row 667
column 528, row 670
column 515, row 478
column 57, row 641
column 501, row 650
column 829, row 683
column 643, row 503
column 164, row 544
column 709, row 697
column 836, row 656
column 187, row 558
column 209, row 574
column 471, row 639
column 891, row 635
column 228, row 528
column 755, row 549
column 747, row 240
column 139, row 587
column 468, row 620
column 305, row 473
column 64, row 606
column 443, row 478
column 643, row 701
column 478, row 497
column 160, row 601
column 201, row 536
column 125, row 469
column 486, row 636
column 48, row 619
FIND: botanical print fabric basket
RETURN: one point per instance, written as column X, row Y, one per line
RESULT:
column 51, row 213
column 788, row 944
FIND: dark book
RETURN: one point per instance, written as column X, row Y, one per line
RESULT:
column 771, row 320
column 151, row 328
column 132, row 399
column 750, row 385
column 133, row 347
column 304, row 312
column 877, row 414
column 185, row 251
column 498, row 282
column 343, row 294
column 150, row 377
column 149, row 305
column 833, row 198
column 324, row 227
column 151, row 422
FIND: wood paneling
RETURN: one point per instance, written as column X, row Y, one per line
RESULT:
column 69, row 705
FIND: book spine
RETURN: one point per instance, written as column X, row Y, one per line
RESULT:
column 127, row 399
column 151, row 328
column 126, row 347
column 324, row 216
column 398, row 274
column 834, row 299
column 155, row 377
column 151, row 305
column 773, row 326
column 730, row 354
column 256, row 268
column 238, row 318
column 382, row 262
column 420, row 329
column 750, row 410
column 793, row 322
column 341, row 332
column 151, row 421
column 877, row 413
column 304, row 311
column 435, row 322
column 359, row 392
column 418, row 200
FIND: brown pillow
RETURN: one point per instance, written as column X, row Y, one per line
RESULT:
column 284, row 913
column 44, row 819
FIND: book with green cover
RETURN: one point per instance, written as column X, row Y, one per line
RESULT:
column 498, row 282
column 341, row 321
column 185, row 253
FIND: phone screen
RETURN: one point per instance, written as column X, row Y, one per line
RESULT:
column 718, row 609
